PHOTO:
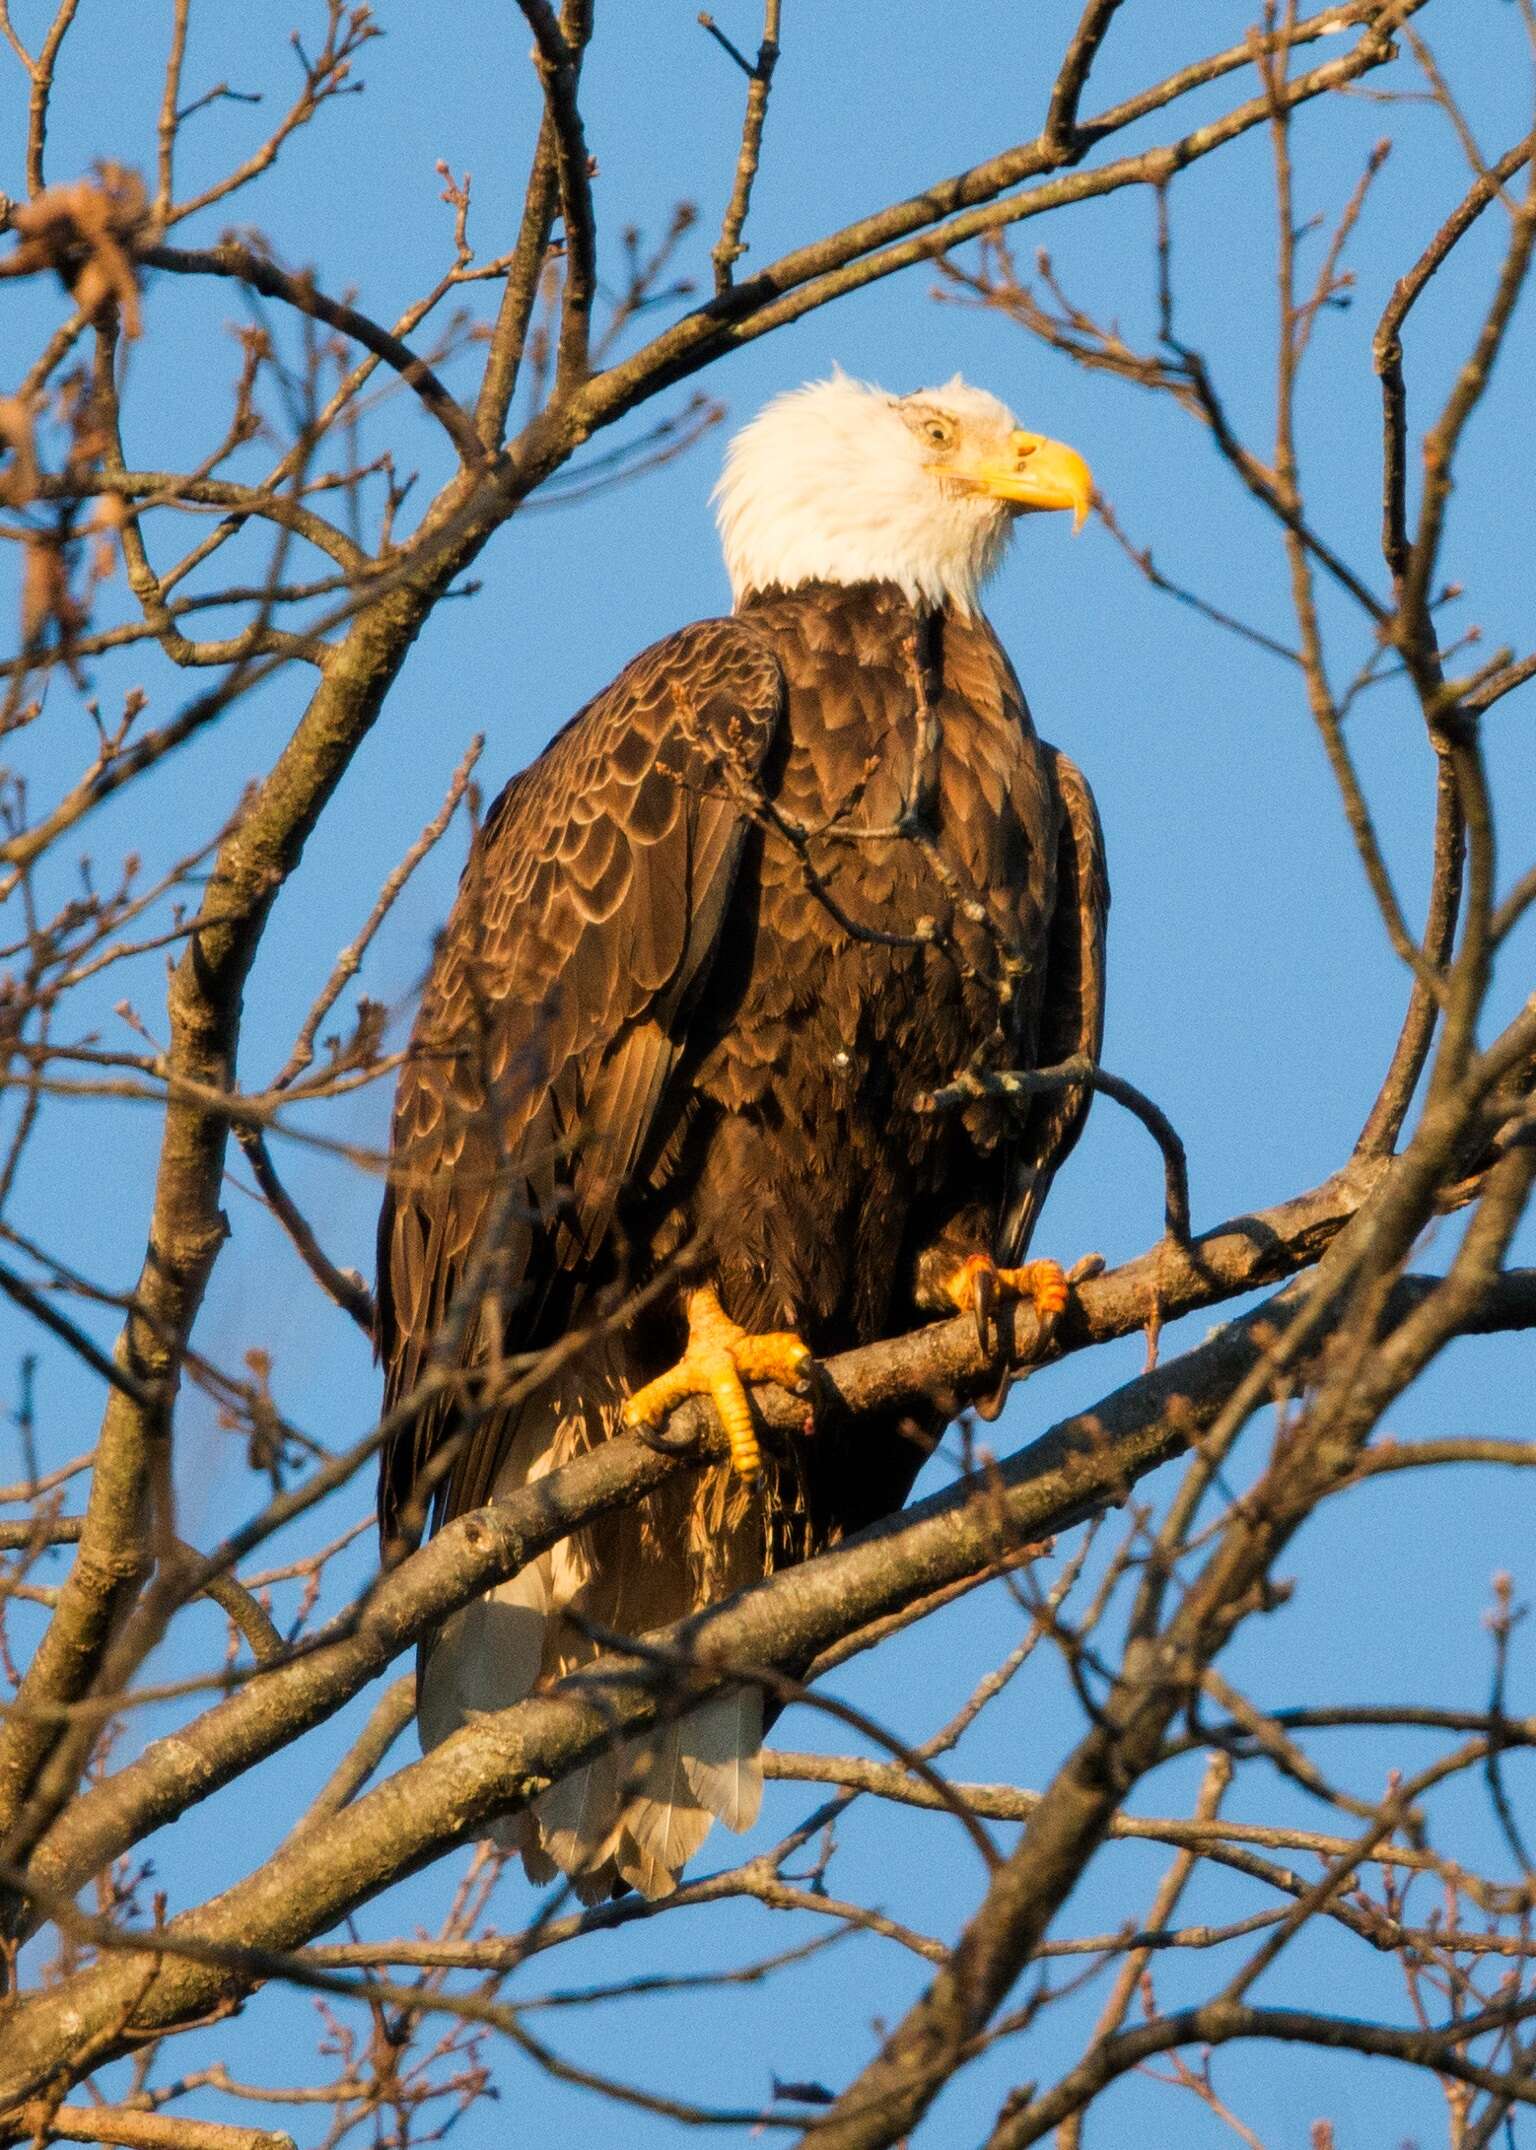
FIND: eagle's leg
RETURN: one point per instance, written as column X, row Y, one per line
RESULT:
column 976, row 1285
column 720, row 1359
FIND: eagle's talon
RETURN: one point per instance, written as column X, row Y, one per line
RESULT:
column 983, row 1295
column 978, row 1286
column 720, row 1359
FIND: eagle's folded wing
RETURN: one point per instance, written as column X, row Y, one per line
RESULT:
column 587, row 918
column 1072, row 1013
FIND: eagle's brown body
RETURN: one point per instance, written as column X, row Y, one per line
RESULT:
column 686, row 1005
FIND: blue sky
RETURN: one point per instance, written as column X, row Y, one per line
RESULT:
column 1252, row 991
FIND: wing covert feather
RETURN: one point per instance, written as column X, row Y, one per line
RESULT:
column 584, row 929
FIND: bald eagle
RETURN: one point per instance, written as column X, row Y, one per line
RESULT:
column 792, row 871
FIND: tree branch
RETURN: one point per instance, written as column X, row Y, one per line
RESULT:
column 729, row 248
column 302, row 293
column 559, row 65
column 498, row 1763
column 144, row 2131
column 1060, row 131
column 477, row 1551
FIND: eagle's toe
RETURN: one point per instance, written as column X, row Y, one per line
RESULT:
column 720, row 1359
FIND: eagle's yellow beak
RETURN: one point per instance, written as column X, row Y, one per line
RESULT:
column 1034, row 472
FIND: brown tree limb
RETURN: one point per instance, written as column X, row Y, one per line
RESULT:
column 169, row 125
column 1060, row 130
column 1384, row 1122
column 187, row 1229
column 146, row 2130
column 343, row 1286
column 33, row 1302
column 169, row 488
column 1374, row 1320
column 1387, row 350
column 955, row 210
column 1444, row 436
column 481, row 1549
column 1438, row 2050
column 41, row 70
column 497, row 1763
column 1213, row 1788
column 541, row 199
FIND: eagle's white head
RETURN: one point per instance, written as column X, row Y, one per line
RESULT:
column 840, row 482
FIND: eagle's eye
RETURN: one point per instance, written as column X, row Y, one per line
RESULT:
column 932, row 427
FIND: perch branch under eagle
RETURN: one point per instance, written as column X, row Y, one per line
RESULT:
column 791, row 872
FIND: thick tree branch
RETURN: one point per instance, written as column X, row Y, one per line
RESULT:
column 498, row 1763
column 187, row 1227
column 1154, row 1681
column 479, row 1550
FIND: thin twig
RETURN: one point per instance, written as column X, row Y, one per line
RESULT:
column 729, row 247
column 558, row 58
column 349, row 961
column 1024, row 1083
column 344, row 1286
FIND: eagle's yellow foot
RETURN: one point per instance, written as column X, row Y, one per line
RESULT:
column 978, row 1285
column 720, row 1359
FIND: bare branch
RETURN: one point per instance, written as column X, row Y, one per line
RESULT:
column 145, row 2131
column 559, row 54
column 304, row 295
column 729, row 247
column 1060, row 131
